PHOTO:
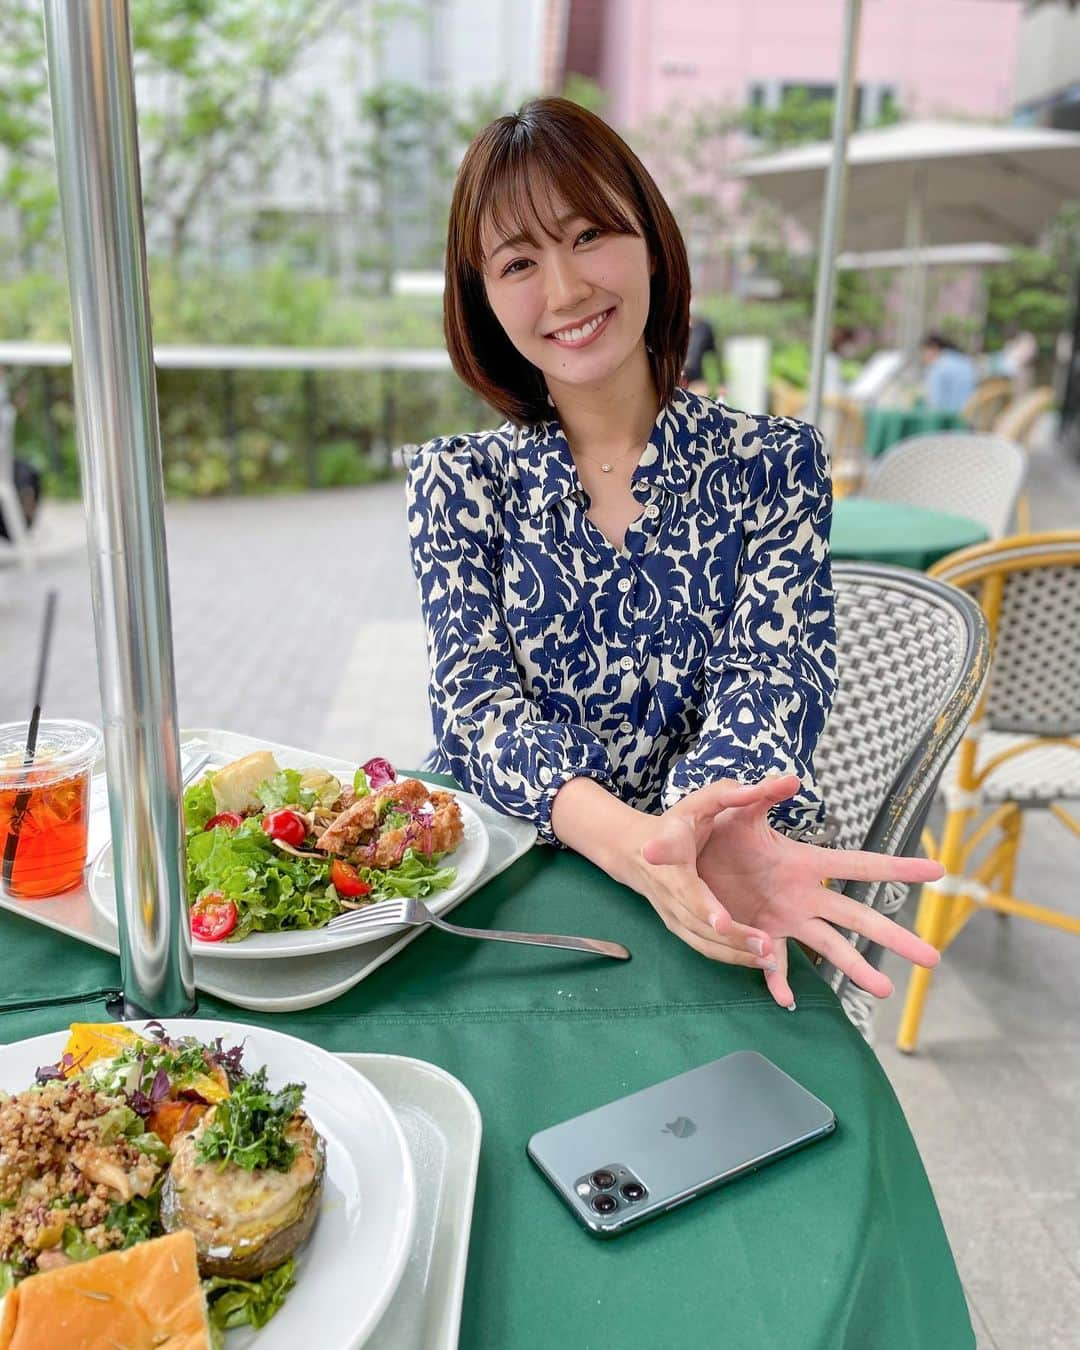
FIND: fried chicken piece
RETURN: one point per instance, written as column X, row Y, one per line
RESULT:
column 353, row 832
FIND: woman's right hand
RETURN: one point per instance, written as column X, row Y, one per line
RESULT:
column 675, row 889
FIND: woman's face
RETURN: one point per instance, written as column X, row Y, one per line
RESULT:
column 575, row 306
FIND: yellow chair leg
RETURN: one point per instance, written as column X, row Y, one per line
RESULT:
column 1006, row 876
column 932, row 923
column 1023, row 514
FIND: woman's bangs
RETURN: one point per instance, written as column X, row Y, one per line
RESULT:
column 521, row 196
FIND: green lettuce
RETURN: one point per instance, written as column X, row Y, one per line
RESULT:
column 284, row 789
column 235, row 1303
column 139, row 1218
column 272, row 890
column 199, row 804
column 413, row 878
column 76, row 1246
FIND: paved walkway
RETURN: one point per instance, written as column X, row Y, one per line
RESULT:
column 295, row 618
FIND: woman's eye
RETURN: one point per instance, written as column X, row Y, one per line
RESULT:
column 590, row 235
column 518, row 265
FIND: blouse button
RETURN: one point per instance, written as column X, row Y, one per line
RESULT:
column 652, row 511
column 624, row 584
column 627, row 663
column 626, row 728
column 544, row 774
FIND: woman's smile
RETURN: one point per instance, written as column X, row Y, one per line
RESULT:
column 582, row 333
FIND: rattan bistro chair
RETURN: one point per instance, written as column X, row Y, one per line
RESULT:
column 969, row 475
column 1022, row 751
column 912, row 655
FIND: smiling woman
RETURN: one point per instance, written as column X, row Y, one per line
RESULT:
column 626, row 587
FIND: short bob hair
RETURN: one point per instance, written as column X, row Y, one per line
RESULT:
column 507, row 172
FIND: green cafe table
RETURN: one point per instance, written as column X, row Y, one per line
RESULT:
column 885, row 426
column 837, row 1247
column 890, row 532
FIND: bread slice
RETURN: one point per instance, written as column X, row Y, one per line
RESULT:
column 145, row 1298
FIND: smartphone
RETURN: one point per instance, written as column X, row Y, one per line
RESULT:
column 644, row 1154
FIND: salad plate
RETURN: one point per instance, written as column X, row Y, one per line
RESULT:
column 468, row 860
column 348, row 1269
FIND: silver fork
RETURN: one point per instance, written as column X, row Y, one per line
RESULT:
column 415, row 912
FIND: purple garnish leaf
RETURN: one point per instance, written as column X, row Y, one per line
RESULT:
column 159, row 1089
column 157, row 1031
column 49, row 1073
column 140, row 1103
column 379, row 772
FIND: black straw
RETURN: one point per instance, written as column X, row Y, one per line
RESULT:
column 23, row 798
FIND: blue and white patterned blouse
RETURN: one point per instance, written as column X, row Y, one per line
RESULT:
column 704, row 648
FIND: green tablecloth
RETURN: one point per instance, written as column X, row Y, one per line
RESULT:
column 838, row 1247
column 886, row 426
column 888, row 532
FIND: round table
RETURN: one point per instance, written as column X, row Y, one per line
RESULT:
column 889, row 532
column 885, row 426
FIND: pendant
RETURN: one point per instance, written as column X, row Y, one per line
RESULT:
column 605, row 468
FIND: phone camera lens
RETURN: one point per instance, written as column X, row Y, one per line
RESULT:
column 604, row 1204
column 633, row 1190
column 603, row 1180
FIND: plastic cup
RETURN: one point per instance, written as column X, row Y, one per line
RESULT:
column 45, row 806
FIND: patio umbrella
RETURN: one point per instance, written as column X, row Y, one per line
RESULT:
column 923, row 183
column 943, row 182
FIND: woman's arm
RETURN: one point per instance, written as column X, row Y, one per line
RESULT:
column 771, row 675
column 497, row 742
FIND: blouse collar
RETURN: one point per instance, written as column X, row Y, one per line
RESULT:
column 549, row 476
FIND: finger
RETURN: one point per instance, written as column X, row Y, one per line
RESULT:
column 751, row 943
column 852, row 865
column 835, row 948
column 849, row 914
column 714, row 950
column 777, row 981
column 702, row 902
column 716, row 797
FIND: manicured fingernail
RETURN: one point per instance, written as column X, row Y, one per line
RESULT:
column 791, row 1006
column 756, row 945
column 768, row 964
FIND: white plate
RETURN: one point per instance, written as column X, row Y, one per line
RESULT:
column 469, row 859
column 348, row 1270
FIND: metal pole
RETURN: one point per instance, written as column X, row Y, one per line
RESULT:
column 93, row 111
column 832, row 215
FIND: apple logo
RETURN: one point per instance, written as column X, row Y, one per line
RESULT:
column 682, row 1127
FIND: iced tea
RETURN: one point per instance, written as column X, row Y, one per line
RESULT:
column 45, row 806
column 51, row 849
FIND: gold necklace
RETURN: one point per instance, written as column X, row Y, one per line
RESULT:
column 606, row 467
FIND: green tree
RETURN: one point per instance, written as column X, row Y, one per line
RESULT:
column 1037, row 288
column 27, row 175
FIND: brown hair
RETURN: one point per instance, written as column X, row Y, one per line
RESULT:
column 552, row 143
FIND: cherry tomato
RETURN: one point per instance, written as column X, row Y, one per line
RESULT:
column 285, row 825
column 212, row 917
column 232, row 819
column 346, row 880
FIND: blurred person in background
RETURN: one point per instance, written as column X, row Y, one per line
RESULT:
column 951, row 375
column 702, row 342
column 626, row 586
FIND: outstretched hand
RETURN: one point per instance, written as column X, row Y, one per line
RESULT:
column 737, row 883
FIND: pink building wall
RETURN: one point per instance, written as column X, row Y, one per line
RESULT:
column 941, row 56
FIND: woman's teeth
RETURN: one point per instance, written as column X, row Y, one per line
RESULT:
column 577, row 334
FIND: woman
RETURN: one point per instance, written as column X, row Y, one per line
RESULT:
column 626, row 586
